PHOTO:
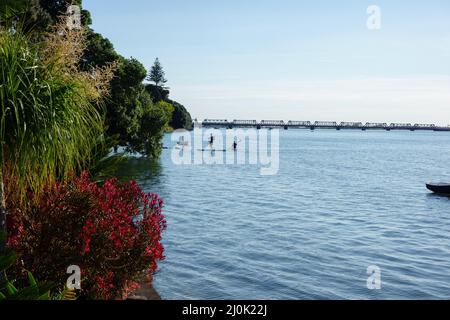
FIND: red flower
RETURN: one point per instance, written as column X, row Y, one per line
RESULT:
column 112, row 231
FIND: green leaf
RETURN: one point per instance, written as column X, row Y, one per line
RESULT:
column 31, row 280
column 30, row 293
column 7, row 259
column 46, row 286
column 45, row 296
column 12, row 291
column 2, row 296
column 38, row 292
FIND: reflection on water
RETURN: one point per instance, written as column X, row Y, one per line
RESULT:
column 147, row 171
column 342, row 201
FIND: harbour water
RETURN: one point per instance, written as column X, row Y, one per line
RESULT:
column 342, row 201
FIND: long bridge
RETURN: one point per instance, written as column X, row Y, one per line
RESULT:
column 221, row 123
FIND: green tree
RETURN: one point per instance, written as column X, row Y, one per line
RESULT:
column 157, row 93
column 154, row 121
column 181, row 119
column 124, row 107
column 157, row 74
column 99, row 52
column 128, row 102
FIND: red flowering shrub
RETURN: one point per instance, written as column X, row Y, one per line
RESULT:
column 113, row 232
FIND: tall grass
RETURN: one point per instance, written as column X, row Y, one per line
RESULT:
column 50, row 117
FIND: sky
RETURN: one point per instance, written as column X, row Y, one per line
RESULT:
column 291, row 59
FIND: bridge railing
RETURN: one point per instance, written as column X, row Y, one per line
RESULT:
column 351, row 124
column 299, row 123
column 215, row 121
column 245, row 122
column 320, row 124
column 376, row 125
column 325, row 124
column 400, row 125
column 272, row 123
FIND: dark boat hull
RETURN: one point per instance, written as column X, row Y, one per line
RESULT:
column 439, row 188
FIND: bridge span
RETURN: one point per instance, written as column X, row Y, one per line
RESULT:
column 222, row 123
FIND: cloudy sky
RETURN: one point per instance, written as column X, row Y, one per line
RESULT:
column 291, row 59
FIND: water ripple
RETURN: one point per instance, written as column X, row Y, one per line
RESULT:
column 342, row 201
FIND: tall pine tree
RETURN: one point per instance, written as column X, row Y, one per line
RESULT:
column 157, row 74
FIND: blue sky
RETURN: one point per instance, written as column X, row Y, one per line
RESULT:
column 291, row 59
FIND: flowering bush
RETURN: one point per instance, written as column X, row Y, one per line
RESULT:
column 113, row 232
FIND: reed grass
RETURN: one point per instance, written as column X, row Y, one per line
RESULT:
column 51, row 115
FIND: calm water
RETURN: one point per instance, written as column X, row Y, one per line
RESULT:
column 342, row 201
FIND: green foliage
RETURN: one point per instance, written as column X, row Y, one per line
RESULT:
column 130, row 112
column 131, row 74
column 103, row 164
column 181, row 119
column 124, row 108
column 7, row 258
column 36, row 19
column 154, row 118
column 157, row 93
column 24, row 13
column 153, row 123
column 38, row 15
column 10, row 290
column 167, row 107
column 99, row 52
column 11, row 8
column 48, row 123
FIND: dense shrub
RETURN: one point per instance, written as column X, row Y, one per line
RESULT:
column 113, row 232
column 181, row 118
column 157, row 93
